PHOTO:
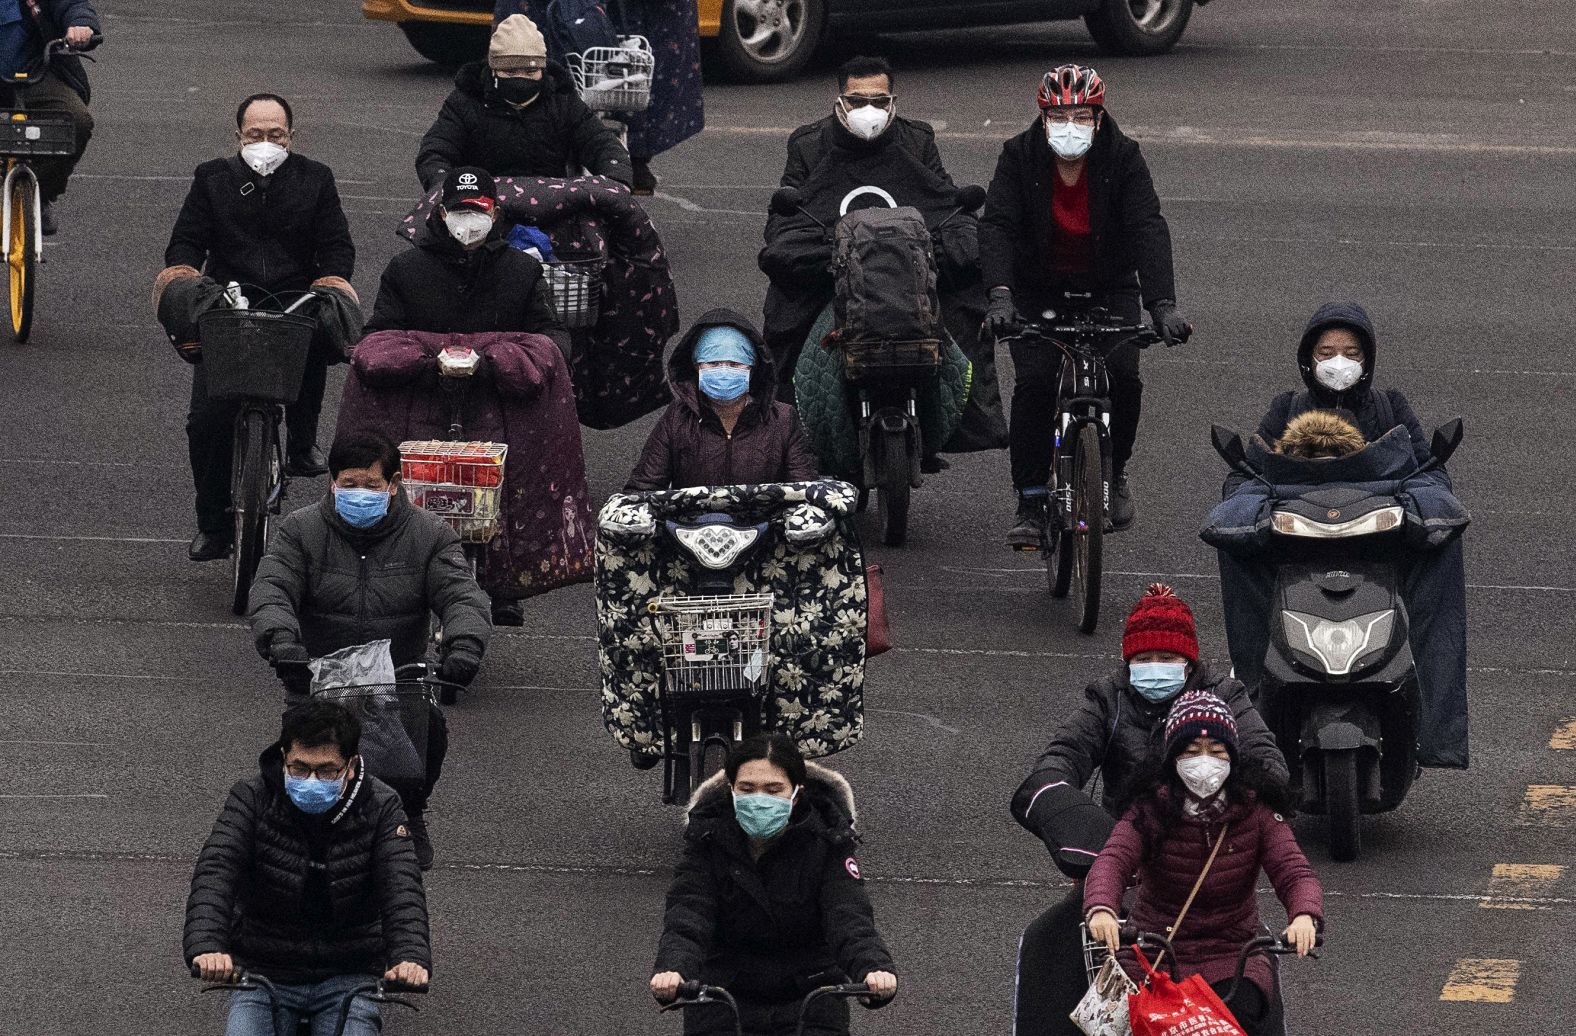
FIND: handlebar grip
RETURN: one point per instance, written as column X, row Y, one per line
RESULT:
column 690, row 990
column 394, row 985
column 195, row 970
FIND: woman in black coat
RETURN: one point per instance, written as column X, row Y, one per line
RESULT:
column 768, row 901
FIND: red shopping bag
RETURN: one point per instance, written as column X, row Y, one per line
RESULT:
column 1164, row 1007
column 878, row 631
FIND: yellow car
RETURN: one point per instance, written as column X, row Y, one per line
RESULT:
column 765, row 40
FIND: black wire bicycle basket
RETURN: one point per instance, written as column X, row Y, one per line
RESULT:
column 254, row 353
column 394, row 721
column 30, row 135
column 577, row 289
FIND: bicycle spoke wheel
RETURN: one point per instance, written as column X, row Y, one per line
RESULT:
column 19, row 267
column 1088, row 526
column 254, row 453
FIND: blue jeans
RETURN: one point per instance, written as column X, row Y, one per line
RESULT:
column 252, row 1012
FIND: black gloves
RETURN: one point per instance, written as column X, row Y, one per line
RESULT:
column 462, row 659
column 1001, row 316
column 1169, row 325
column 289, row 659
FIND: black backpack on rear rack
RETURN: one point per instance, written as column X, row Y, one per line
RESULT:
column 887, row 307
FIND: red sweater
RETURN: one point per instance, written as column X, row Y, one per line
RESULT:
column 1226, row 913
column 1072, row 252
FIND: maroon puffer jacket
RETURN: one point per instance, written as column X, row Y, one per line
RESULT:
column 1226, row 913
column 688, row 446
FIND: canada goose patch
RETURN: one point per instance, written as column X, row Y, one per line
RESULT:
column 852, row 866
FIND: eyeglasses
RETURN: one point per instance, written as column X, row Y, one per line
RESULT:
column 275, row 136
column 1063, row 116
column 326, row 772
column 882, row 101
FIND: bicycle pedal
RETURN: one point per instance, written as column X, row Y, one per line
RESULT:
column 1025, row 550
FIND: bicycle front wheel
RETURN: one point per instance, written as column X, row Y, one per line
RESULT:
column 1088, row 526
column 20, row 270
column 254, row 456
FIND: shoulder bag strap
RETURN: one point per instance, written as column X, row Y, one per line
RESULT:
column 1176, row 925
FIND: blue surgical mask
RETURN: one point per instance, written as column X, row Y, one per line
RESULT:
column 311, row 795
column 361, row 508
column 1157, row 681
column 725, row 384
column 763, row 816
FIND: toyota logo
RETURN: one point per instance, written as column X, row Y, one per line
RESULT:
column 467, row 179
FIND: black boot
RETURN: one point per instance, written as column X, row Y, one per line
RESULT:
column 645, row 184
column 508, row 613
column 309, row 463
column 1122, row 512
column 210, row 546
column 420, row 840
column 1028, row 530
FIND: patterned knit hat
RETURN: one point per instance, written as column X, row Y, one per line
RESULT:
column 1160, row 621
column 1199, row 714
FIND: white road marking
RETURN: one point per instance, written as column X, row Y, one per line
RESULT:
column 94, row 795
column 63, row 744
column 921, row 716
column 1040, row 572
column 84, row 539
column 690, row 206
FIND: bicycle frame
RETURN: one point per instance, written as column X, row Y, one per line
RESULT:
column 18, row 168
column 1083, row 397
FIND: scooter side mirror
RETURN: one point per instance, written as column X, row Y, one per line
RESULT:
column 1228, row 444
column 786, row 201
column 970, row 198
column 1447, row 438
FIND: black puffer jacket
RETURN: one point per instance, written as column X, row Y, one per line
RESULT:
column 555, row 135
column 688, row 446
column 810, row 144
column 301, row 898
column 1116, row 731
column 771, row 929
column 1131, row 241
column 280, row 232
column 331, row 586
column 440, row 287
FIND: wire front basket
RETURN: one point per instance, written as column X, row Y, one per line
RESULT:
column 460, row 482
column 255, row 353
column 394, row 726
column 715, row 645
column 615, row 79
column 577, row 290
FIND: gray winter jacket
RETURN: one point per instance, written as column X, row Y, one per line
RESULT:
column 1116, row 730
column 331, row 586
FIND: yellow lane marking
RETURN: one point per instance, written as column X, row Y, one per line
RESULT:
column 1550, row 805
column 1515, row 883
column 1565, row 736
column 1482, row 981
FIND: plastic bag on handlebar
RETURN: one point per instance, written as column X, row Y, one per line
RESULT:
column 365, row 665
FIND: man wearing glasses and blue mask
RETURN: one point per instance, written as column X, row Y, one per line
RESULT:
column 1111, row 736
column 308, row 879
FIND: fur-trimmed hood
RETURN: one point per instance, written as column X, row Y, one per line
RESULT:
column 1320, row 434
column 826, row 804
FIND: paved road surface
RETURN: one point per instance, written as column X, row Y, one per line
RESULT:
column 1419, row 156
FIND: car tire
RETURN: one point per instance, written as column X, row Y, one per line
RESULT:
column 1139, row 28
column 781, row 54
column 447, row 45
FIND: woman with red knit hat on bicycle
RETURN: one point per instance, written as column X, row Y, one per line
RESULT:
column 1111, row 734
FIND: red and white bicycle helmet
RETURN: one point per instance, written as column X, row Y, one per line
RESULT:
column 1071, row 86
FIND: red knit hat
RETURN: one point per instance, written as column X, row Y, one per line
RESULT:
column 1160, row 621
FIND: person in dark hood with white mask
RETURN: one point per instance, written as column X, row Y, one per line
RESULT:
column 1336, row 357
column 518, row 114
column 463, row 277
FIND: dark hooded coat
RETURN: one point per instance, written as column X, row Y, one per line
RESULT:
column 1375, row 411
column 1115, row 732
column 51, row 21
column 770, row 929
column 1130, row 238
column 555, row 135
column 304, row 898
column 688, row 446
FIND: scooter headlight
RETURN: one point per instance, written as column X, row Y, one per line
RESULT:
column 716, row 546
column 1338, row 645
column 1383, row 519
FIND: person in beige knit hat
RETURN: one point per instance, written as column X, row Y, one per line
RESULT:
column 518, row 114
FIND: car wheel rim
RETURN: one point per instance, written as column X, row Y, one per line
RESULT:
column 771, row 31
column 1154, row 16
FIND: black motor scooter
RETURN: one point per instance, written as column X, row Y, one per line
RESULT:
column 884, row 379
column 1340, row 687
